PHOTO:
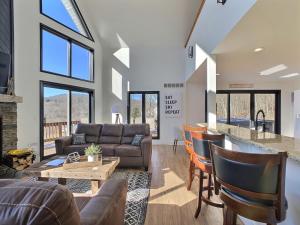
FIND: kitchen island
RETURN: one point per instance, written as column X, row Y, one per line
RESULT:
column 252, row 141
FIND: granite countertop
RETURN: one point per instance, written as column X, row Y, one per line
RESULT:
column 265, row 140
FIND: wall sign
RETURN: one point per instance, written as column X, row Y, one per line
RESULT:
column 173, row 105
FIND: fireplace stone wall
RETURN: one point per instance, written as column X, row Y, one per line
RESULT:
column 8, row 112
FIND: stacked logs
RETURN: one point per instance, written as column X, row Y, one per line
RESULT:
column 19, row 162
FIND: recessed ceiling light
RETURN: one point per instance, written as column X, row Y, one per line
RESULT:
column 258, row 49
column 273, row 69
column 290, row 75
column 218, row 74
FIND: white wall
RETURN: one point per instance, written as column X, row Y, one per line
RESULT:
column 287, row 108
column 195, row 96
column 150, row 68
column 214, row 23
column 27, row 20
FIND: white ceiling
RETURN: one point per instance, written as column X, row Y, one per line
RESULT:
column 271, row 24
column 142, row 22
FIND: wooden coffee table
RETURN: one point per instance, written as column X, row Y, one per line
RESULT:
column 96, row 174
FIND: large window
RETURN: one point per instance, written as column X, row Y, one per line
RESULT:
column 62, row 108
column 65, row 12
column 240, row 108
column 63, row 56
column 143, row 107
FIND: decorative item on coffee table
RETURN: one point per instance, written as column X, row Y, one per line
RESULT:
column 93, row 152
column 92, row 158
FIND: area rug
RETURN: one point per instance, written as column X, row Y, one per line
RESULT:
column 137, row 195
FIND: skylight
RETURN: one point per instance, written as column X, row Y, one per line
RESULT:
column 273, row 70
column 67, row 13
column 290, row 75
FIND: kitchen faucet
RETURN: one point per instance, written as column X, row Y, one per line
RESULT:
column 264, row 120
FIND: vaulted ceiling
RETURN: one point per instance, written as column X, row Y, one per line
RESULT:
column 142, row 23
column 273, row 25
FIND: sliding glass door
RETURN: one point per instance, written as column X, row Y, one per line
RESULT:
column 143, row 107
column 241, row 107
column 240, row 114
column 62, row 108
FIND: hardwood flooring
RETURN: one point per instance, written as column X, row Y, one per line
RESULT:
column 170, row 203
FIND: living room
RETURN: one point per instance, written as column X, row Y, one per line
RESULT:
column 96, row 97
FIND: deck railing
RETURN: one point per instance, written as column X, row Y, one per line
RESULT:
column 56, row 130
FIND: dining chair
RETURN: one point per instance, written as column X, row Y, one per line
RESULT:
column 251, row 185
column 188, row 145
column 202, row 161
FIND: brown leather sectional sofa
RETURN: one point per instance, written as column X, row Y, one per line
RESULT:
column 45, row 203
column 115, row 140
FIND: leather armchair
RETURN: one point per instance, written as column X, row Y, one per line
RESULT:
column 43, row 203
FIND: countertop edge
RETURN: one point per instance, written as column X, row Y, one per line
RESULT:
column 291, row 155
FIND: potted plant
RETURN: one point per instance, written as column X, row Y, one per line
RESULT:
column 93, row 152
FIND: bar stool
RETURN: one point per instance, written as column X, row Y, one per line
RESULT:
column 188, row 145
column 251, row 185
column 202, row 161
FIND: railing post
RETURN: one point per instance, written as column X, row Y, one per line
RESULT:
column 60, row 130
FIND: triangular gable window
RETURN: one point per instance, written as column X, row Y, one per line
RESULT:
column 67, row 13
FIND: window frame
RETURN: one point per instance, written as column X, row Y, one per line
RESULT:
column 143, row 93
column 70, row 41
column 89, row 35
column 69, row 88
column 252, row 93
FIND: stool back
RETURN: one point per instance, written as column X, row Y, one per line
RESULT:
column 255, row 177
column 201, row 143
column 187, row 136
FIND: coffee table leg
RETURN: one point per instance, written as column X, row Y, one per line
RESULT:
column 43, row 179
column 95, row 185
column 62, row 181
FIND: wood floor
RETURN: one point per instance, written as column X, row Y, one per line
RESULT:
column 170, row 203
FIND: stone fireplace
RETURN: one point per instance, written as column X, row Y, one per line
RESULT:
column 8, row 123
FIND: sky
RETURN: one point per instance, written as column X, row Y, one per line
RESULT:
column 55, row 49
column 50, row 92
column 56, row 10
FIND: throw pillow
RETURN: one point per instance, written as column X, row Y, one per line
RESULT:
column 137, row 139
column 78, row 139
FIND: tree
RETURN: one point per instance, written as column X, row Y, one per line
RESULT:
column 135, row 113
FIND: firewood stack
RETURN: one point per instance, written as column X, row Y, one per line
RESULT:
column 20, row 161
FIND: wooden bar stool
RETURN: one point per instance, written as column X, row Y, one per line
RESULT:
column 202, row 161
column 251, row 185
column 188, row 146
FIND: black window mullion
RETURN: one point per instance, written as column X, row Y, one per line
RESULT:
column 70, row 112
column 252, row 106
column 70, row 58
column 228, row 108
column 143, row 108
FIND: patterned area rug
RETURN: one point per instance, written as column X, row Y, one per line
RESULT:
column 137, row 195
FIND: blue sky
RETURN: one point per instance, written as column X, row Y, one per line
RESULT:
column 55, row 49
column 56, row 10
column 50, row 92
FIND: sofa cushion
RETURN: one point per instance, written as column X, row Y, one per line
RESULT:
column 78, row 139
column 40, row 203
column 92, row 131
column 108, row 149
column 128, row 151
column 75, row 148
column 137, row 139
column 130, row 130
column 111, row 134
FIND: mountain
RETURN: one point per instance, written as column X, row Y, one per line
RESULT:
column 56, row 108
